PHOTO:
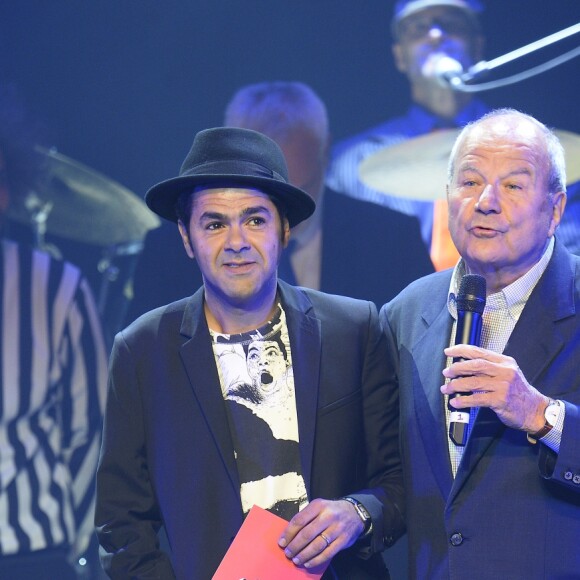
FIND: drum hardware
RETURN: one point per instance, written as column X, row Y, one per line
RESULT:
column 82, row 216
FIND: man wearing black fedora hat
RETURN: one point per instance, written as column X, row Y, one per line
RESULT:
column 250, row 392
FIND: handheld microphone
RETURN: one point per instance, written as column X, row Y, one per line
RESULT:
column 447, row 71
column 470, row 302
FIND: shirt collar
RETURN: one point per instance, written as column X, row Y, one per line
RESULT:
column 513, row 297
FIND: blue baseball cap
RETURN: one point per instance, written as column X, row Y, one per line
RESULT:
column 404, row 8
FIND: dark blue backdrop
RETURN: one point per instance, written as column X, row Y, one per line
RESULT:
column 123, row 85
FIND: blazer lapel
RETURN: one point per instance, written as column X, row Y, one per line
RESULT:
column 427, row 398
column 304, row 330
column 204, row 381
column 486, row 429
column 536, row 339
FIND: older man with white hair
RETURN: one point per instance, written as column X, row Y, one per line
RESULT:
column 503, row 502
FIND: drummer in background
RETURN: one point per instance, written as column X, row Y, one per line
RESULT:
column 424, row 32
column 52, row 387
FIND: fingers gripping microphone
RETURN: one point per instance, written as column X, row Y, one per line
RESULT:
column 470, row 302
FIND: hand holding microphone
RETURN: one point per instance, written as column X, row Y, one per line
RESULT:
column 489, row 379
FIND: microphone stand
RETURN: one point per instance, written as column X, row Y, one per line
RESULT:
column 458, row 82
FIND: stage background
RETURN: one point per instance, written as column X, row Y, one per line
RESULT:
column 123, row 85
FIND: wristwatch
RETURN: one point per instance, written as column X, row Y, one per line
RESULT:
column 363, row 514
column 550, row 418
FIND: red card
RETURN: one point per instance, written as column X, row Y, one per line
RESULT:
column 255, row 555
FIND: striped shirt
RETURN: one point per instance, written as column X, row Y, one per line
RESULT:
column 52, row 391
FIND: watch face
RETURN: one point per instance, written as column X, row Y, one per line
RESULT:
column 551, row 414
column 364, row 512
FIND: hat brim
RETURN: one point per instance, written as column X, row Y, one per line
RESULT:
column 161, row 198
column 469, row 9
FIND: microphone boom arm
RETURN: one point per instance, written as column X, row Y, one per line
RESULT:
column 458, row 82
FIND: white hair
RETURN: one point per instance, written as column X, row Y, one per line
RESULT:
column 277, row 108
column 554, row 151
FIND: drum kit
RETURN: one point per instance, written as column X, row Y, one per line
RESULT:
column 80, row 215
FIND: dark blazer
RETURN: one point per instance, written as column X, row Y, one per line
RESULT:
column 513, row 510
column 167, row 456
column 368, row 251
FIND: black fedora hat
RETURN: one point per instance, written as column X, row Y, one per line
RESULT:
column 233, row 157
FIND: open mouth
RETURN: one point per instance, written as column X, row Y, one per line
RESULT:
column 266, row 378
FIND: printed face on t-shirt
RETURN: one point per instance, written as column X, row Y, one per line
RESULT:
column 266, row 364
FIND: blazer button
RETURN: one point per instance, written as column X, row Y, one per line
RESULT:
column 568, row 475
column 576, row 479
column 456, row 539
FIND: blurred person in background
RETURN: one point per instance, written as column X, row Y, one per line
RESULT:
column 423, row 32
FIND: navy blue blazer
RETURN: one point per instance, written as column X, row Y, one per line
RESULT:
column 513, row 510
column 167, row 456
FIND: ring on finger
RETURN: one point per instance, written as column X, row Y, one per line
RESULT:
column 328, row 542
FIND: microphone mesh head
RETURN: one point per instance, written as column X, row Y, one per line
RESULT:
column 471, row 295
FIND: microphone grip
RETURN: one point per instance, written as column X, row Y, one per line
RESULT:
column 469, row 325
column 458, row 424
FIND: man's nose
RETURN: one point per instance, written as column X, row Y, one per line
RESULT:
column 488, row 201
column 236, row 239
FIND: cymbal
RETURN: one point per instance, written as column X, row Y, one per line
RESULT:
column 81, row 204
column 417, row 168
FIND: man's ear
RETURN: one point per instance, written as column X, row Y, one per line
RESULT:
column 398, row 58
column 558, row 206
column 185, row 239
column 285, row 232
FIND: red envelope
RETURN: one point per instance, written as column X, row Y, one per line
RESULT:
column 255, row 555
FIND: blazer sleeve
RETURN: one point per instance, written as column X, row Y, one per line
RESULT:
column 385, row 497
column 127, row 517
column 564, row 466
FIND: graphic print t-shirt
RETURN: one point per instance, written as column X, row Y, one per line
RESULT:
column 257, row 382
